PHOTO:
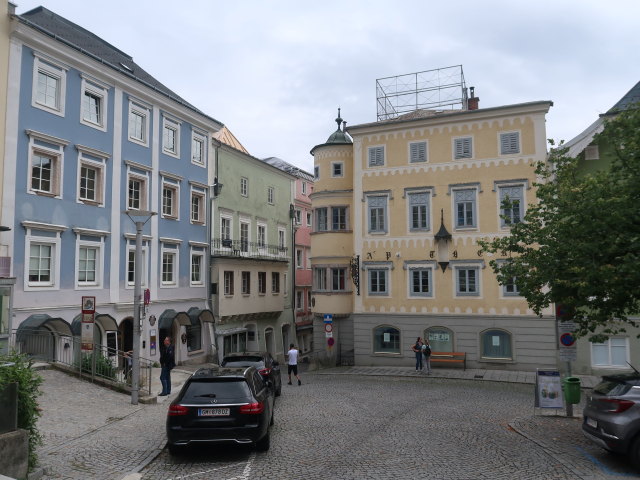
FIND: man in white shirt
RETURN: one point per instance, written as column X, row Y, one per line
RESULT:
column 292, row 363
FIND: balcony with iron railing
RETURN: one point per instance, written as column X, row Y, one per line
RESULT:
column 224, row 247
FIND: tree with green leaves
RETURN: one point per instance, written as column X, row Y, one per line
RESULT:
column 579, row 245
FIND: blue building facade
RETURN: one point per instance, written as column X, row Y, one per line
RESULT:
column 90, row 135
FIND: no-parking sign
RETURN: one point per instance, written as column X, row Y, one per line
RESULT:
column 567, row 341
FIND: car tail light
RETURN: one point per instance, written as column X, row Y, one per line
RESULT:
column 617, row 406
column 264, row 371
column 252, row 408
column 176, row 410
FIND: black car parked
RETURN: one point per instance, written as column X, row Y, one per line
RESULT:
column 221, row 405
column 263, row 361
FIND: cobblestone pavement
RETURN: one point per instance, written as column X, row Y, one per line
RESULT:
column 358, row 422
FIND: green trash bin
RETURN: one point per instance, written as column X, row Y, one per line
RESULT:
column 571, row 389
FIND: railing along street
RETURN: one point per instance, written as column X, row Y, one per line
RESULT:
column 108, row 364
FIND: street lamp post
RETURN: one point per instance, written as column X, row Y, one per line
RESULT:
column 139, row 217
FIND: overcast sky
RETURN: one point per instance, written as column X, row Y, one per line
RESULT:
column 275, row 72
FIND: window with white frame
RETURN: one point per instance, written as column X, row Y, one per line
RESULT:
column 304, row 188
column 377, row 213
column 198, row 148
column 42, row 262
column 170, row 199
column 131, row 264
column 244, row 237
column 462, row 148
column 281, row 239
column 169, row 265
column 337, row 169
column 420, row 282
column 275, row 282
column 94, row 105
column 496, row 344
column 262, row 283
column 320, row 278
column 298, row 216
column 137, row 192
column 417, row 152
column 511, row 204
column 170, row 137
column 262, row 235
column 225, row 228
column 321, row 219
column 419, row 211
column 465, row 207
column 299, row 300
column 89, row 261
column 338, row 279
column 309, row 219
column 91, row 178
column 467, row 281
column 338, row 218
column 376, row 156
column 614, row 353
column 246, row 283
column 197, row 206
column 270, row 195
column 49, row 86
column 244, row 186
column 298, row 258
column 197, row 267
column 46, row 156
column 509, row 143
column 228, row 282
column 285, row 282
column 138, row 123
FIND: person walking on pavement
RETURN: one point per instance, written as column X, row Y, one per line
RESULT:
column 292, row 363
column 417, row 349
column 426, row 351
column 167, row 362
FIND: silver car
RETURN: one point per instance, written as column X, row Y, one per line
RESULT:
column 612, row 415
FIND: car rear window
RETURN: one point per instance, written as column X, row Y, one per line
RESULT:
column 612, row 388
column 243, row 362
column 223, row 390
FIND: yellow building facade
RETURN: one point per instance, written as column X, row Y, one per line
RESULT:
column 416, row 194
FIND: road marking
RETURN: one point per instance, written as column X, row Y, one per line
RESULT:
column 602, row 466
column 243, row 476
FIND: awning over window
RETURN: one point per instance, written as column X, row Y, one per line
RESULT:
column 198, row 315
column 231, row 331
column 106, row 322
column 169, row 316
column 41, row 321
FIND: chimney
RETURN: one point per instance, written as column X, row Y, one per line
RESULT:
column 472, row 102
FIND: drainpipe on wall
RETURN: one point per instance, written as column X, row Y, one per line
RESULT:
column 213, row 191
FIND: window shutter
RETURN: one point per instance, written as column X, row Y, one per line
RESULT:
column 463, row 147
column 509, row 143
column 418, row 152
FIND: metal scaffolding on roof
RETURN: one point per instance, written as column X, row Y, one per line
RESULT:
column 438, row 89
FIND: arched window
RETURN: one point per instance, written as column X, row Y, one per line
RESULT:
column 440, row 339
column 496, row 344
column 386, row 339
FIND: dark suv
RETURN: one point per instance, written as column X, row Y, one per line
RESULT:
column 221, row 405
column 263, row 361
column 612, row 415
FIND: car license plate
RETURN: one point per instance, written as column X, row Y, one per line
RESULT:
column 213, row 412
column 592, row 423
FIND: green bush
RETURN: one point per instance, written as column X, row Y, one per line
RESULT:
column 28, row 382
column 104, row 367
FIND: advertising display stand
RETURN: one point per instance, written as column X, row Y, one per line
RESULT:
column 548, row 391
